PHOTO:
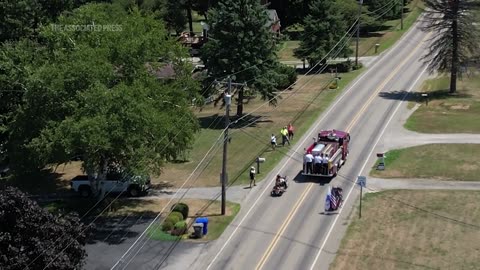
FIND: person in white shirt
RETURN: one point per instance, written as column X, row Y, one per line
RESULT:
column 309, row 162
column 273, row 141
column 252, row 176
column 325, row 164
column 317, row 164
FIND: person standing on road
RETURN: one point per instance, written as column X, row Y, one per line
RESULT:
column 290, row 130
column 252, row 176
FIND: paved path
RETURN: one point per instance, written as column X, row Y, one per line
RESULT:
column 399, row 137
column 377, row 184
column 235, row 193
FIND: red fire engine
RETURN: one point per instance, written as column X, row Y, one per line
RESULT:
column 327, row 154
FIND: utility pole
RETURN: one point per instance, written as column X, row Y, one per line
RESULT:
column 401, row 17
column 228, row 101
column 358, row 31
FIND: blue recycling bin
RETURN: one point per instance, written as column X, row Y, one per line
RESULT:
column 204, row 221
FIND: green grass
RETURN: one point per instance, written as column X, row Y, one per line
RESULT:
column 445, row 113
column 155, row 233
column 302, row 108
column 285, row 53
column 386, row 38
column 393, row 235
column 389, row 37
column 438, row 161
column 218, row 224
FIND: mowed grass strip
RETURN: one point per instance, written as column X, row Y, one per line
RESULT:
column 197, row 207
column 391, row 235
column 366, row 45
column 437, row 161
column 445, row 113
column 299, row 106
column 392, row 33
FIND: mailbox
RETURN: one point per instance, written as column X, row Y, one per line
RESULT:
column 259, row 160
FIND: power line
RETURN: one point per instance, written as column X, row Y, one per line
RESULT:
column 143, row 233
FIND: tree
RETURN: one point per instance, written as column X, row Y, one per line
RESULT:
column 96, row 98
column 23, row 18
column 455, row 38
column 241, row 43
column 324, row 27
column 28, row 231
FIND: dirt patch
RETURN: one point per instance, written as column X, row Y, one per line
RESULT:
column 460, row 107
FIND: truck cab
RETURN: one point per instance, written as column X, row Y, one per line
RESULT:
column 114, row 183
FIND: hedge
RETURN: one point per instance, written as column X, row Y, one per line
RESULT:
column 167, row 226
column 182, row 208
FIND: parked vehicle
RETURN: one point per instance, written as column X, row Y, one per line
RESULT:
column 133, row 186
column 333, row 147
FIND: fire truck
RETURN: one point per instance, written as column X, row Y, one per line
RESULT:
column 327, row 154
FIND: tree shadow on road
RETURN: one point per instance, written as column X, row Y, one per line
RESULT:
column 417, row 96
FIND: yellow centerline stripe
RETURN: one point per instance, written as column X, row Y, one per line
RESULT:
column 282, row 229
column 297, row 205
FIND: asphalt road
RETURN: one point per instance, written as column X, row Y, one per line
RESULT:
column 292, row 232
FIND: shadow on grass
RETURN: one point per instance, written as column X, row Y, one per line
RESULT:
column 417, row 96
column 216, row 121
column 43, row 183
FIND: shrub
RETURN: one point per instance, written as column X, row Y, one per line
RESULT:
column 359, row 66
column 173, row 219
column 182, row 208
column 345, row 66
column 180, row 228
column 287, row 75
column 177, row 214
column 167, row 225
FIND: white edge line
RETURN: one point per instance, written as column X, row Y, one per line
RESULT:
column 363, row 167
column 296, row 150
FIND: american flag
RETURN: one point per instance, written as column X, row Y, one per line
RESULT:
column 332, row 202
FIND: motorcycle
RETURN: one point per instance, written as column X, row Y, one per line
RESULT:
column 281, row 185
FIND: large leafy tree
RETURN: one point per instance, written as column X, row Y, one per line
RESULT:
column 23, row 18
column 94, row 96
column 241, row 43
column 28, row 232
column 324, row 27
column 455, row 38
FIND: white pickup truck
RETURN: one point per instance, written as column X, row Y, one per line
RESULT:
column 133, row 186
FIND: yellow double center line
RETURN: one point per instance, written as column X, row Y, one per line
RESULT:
column 297, row 205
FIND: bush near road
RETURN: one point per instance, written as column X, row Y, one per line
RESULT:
column 391, row 235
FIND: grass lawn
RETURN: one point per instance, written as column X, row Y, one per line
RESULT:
column 366, row 46
column 197, row 207
column 299, row 106
column 391, row 235
column 459, row 113
column 438, row 161
column 386, row 38
column 285, row 53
